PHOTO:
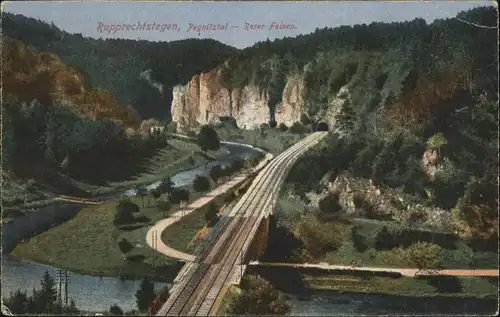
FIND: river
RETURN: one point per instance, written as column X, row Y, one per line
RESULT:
column 97, row 294
column 91, row 293
column 324, row 303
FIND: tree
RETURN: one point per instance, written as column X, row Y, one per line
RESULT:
column 166, row 185
column 174, row 196
column 201, row 183
column 164, row 206
column 72, row 309
column 141, row 192
column 155, row 193
column 184, row 195
column 424, row 255
column 115, row 310
column 44, row 299
column 437, row 141
column 179, row 195
column 124, row 214
column 211, row 213
column 145, row 294
column 18, row 302
column 207, row 139
column 258, row 297
column 216, row 173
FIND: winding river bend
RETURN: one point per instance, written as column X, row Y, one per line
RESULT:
column 91, row 293
column 97, row 294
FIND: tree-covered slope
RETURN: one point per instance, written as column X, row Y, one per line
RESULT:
column 117, row 64
column 412, row 63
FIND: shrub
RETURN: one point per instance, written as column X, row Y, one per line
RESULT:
column 125, row 245
column 424, row 255
column 297, row 128
column 330, row 204
column 258, row 297
column 115, row 310
column 127, row 205
column 282, row 127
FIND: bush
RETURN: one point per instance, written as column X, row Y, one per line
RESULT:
column 282, row 127
column 126, row 205
column 424, row 255
column 330, row 204
column 201, row 183
column 297, row 128
column 125, row 245
column 115, row 310
column 258, row 297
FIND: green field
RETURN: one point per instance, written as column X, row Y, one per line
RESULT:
column 88, row 243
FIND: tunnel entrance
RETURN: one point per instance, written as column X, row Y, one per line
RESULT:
column 321, row 126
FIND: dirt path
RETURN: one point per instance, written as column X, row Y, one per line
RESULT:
column 161, row 225
column 405, row 272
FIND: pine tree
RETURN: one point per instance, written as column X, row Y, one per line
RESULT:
column 144, row 295
column 44, row 299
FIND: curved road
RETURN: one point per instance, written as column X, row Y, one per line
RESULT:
column 405, row 272
column 155, row 240
column 219, row 261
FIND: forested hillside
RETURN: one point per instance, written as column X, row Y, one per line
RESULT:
column 122, row 66
column 382, row 64
column 420, row 121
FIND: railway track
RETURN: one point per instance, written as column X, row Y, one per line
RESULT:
column 216, row 262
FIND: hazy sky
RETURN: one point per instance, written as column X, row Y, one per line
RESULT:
column 85, row 17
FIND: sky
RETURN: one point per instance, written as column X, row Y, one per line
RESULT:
column 241, row 23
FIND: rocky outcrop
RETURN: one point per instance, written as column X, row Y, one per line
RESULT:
column 292, row 106
column 204, row 99
column 359, row 197
column 335, row 105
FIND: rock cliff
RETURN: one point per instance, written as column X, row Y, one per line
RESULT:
column 204, row 99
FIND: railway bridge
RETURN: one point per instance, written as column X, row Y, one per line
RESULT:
column 238, row 238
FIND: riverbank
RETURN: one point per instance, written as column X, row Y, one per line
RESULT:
column 328, row 294
column 90, row 243
column 175, row 156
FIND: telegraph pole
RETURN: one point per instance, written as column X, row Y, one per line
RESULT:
column 59, row 286
column 155, row 245
column 66, row 286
